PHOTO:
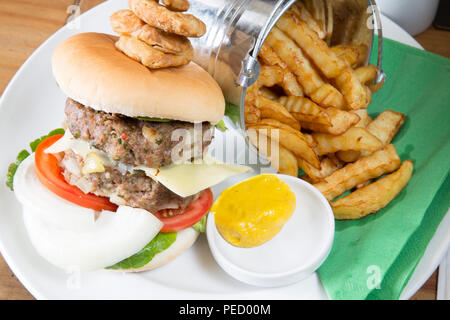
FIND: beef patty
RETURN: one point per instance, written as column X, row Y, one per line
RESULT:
column 130, row 140
column 130, row 189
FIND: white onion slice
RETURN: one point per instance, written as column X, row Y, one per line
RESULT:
column 69, row 236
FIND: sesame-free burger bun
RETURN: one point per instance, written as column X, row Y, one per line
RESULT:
column 89, row 69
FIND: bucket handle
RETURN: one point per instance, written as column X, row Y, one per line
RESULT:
column 381, row 76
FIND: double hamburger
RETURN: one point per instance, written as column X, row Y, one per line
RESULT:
column 135, row 141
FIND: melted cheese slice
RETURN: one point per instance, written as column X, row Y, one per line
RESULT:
column 184, row 179
column 188, row 179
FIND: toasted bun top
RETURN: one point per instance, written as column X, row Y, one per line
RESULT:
column 90, row 70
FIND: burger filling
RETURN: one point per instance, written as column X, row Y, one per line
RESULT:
column 128, row 142
column 131, row 189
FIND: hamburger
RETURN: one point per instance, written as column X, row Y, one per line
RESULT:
column 127, row 186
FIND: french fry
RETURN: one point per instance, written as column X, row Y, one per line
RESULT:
column 329, row 24
column 288, row 163
column 252, row 114
column 273, row 110
column 328, row 96
column 356, row 94
column 366, row 74
column 307, row 178
column 309, row 138
column 269, row 94
column 289, row 138
column 308, row 40
column 353, row 55
column 252, row 95
column 270, row 57
column 364, row 118
column 290, row 85
column 328, row 166
column 364, row 184
column 317, row 9
column 341, row 122
column 316, row 118
column 296, row 61
column 386, row 125
column 288, row 82
column 348, row 156
column 351, row 155
column 307, row 76
column 346, row 54
column 280, row 158
column 368, row 95
column 270, row 76
column 366, row 168
column 376, row 87
column 375, row 196
column 275, row 75
column 356, row 139
column 304, row 14
column 305, row 110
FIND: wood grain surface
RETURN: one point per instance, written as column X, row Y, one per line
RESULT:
column 25, row 24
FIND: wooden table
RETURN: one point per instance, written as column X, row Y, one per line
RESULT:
column 25, row 24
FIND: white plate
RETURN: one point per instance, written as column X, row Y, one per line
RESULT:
column 32, row 105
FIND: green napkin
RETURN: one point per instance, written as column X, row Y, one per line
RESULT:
column 385, row 248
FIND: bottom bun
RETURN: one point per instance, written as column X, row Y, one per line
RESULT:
column 185, row 239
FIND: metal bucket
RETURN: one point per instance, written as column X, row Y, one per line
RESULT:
column 238, row 28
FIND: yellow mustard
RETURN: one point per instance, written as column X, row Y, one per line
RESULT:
column 253, row 211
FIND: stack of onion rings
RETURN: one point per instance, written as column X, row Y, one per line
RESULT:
column 155, row 34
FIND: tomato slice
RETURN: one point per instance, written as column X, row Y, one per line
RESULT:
column 193, row 213
column 50, row 176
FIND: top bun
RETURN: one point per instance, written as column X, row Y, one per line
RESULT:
column 90, row 70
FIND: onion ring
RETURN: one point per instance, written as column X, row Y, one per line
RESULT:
column 125, row 22
column 149, row 56
column 162, row 18
column 176, row 5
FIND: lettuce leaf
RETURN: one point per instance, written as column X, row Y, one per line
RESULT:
column 12, row 168
column 232, row 111
column 161, row 242
column 200, row 226
column 221, row 126
column 35, row 143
